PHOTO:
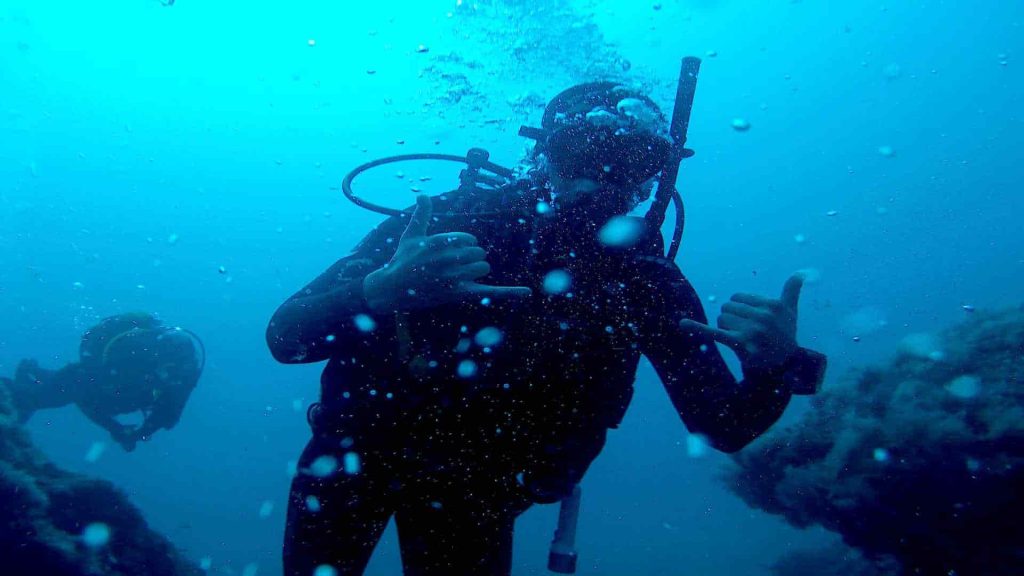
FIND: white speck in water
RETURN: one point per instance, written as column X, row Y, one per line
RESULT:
column 312, row 503
column 266, row 509
column 324, row 466
column 489, row 337
column 881, row 455
column 352, row 463
column 96, row 535
column 205, row 563
column 467, row 369
column 95, row 451
column 740, row 125
column 325, row 570
column 696, row 446
column 557, row 281
column 622, row 231
column 365, row 323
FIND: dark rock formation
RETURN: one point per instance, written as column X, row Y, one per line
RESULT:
column 44, row 512
column 921, row 460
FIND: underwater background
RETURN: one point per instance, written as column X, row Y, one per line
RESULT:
column 186, row 160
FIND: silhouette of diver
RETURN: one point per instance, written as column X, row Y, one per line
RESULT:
column 453, row 405
column 129, row 363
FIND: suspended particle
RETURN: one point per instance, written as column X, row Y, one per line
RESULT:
column 696, row 446
column 251, row 569
column 622, row 231
column 740, row 125
column 311, row 42
column 543, row 207
column 222, row 270
column 325, row 570
column 489, row 337
column 467, row 369
column 95, row 451
column 324, row 466
column 881, row 455
column 886, row 151
column 266, row 509
column 800, row 238
column 205, row 563
column 312, row 504
column 352, row 463
column 96, row 535
column 173, row 238
column 557, row 282
column 422, row 49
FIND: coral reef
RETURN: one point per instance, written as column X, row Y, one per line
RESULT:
column 920, row 460
column 57, row 523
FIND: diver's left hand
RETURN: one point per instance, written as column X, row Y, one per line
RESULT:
column 126, row 437
column 762, row 331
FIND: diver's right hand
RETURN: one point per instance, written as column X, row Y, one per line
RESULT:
column 430, row 270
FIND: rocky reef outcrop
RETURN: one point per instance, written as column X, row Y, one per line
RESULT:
column 56, row 523
column 920, row 461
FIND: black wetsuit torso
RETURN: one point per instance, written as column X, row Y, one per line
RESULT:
column 419, row 391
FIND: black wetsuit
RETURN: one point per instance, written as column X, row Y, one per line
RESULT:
column 149, row 370
column 444, row 433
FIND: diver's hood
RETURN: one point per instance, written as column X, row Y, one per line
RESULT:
column 603, row 131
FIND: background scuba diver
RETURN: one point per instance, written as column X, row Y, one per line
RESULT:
column 128, row 363
column 455, row 405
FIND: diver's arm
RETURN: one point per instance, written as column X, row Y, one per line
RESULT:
column 166, row 411
column 104, row 420
column 708, row 398
column 321, row 317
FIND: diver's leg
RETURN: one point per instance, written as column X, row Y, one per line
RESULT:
column 468, row 533
column 334, row 520
column 35, row 388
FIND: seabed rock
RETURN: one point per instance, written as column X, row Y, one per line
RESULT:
column 921, row 461
column 44, row 511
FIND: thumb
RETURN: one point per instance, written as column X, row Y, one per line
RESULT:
column 791, row 291
column 420, row 219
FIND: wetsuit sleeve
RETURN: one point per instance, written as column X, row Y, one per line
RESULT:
column 729, row 414
column 166, row 411
column 320, row 319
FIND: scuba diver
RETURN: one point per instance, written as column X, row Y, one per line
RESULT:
column 128, row 363
column 480, row 345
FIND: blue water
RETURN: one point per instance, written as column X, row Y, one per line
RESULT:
column 143, row 147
